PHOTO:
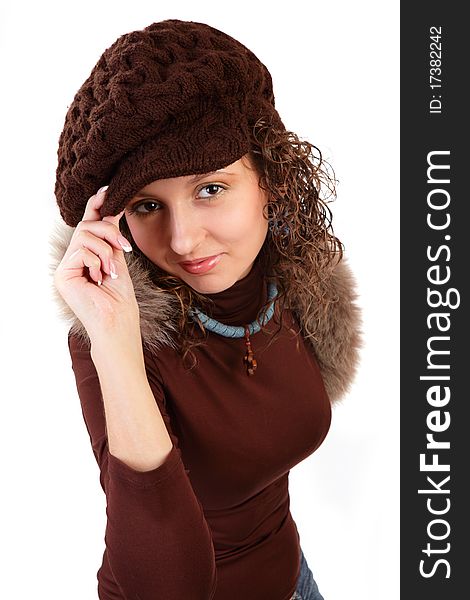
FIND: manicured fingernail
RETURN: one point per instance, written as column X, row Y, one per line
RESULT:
column 124, row 244
column 99, row 282
column 112, row 269
column 102, row 189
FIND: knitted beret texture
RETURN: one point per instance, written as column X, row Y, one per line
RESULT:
column 176, row 98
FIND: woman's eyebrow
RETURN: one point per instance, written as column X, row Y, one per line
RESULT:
column 192, row 180
column 198, row 177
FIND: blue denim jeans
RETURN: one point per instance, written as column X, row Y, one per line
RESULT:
column 306, row 589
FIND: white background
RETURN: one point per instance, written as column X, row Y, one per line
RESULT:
column 335, row 70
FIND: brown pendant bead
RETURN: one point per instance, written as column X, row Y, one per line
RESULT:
column 249, row 359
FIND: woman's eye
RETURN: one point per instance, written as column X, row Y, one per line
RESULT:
column 145, row 208
column 213, row 189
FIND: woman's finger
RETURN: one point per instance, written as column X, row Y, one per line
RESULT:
column 84, row 258
column 92, row 215
column 103, row 230
column 114, row 219
column 93, row 205
column 100, row 247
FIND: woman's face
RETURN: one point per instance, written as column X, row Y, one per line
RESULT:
column 193, row 217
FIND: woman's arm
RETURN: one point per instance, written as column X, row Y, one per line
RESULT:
column 158, row 543
column 136, row 432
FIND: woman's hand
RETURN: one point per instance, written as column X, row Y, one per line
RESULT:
column 93, row 278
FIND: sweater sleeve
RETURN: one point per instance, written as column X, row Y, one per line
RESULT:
column 157, row 541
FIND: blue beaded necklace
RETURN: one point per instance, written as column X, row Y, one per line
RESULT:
column 232, row 331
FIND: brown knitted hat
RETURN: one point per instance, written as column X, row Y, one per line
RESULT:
column 176, row 98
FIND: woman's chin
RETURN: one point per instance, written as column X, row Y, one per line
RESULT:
column 208, row 287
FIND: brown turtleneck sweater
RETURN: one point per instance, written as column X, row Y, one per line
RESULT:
column 213, row 521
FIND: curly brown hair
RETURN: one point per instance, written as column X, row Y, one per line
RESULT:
column 300, row 249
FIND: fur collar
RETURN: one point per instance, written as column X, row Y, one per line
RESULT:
column 338, row 338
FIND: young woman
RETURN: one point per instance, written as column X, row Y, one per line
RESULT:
column 212, row 312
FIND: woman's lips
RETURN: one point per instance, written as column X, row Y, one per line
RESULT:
column 196, row 268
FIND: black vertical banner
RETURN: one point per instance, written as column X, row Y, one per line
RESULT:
column 434, row 261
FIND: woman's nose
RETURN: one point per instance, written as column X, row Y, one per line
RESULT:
column 185, row 232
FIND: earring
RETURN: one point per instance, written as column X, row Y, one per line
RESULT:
column 277, row 227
